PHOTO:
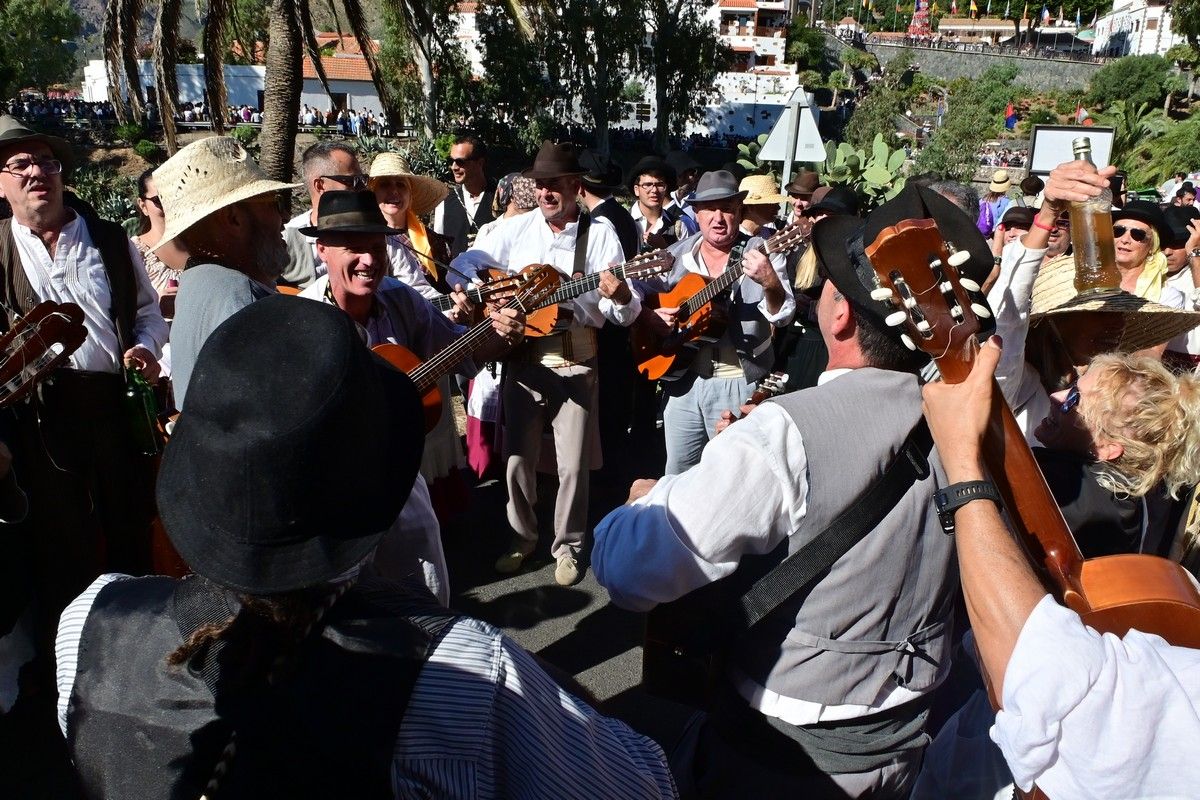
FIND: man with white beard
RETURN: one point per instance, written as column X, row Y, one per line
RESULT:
column 225, row 211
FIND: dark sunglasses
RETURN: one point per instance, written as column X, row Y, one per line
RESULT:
column 1071, row 401
column 460, row 162
column 355, row 182
column 156, row 200
column 1137, row 234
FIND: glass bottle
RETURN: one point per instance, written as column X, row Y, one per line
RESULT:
column 141, row 410
column 1092, row 236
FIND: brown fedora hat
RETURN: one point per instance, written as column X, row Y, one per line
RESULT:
column 349, row 212
column 803, row 183
column 555, row 161
column 13, row 132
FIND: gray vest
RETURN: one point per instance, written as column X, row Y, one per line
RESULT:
column 748, row 330
column 882, row 613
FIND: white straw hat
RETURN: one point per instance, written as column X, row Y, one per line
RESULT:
column 761, row 190
column 1147, row 324
column 424, row 192
column 207, row 176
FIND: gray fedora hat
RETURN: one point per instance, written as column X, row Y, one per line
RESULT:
column 13, row 132
column 717, row 185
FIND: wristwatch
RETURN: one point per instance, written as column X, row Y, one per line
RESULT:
column 1194, row 252
column 957, row 495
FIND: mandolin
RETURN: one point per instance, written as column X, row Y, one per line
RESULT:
column 37, row 344
column 550, row 317
column 1112, row 594
column 666, row 355
column 536, row 283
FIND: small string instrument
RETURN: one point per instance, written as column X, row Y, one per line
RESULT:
column 1112, row 594
column 536, row 283
column 665, row 356
column 550, row 317
column 37, row 344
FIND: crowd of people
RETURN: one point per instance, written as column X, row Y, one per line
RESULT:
column 262, row 607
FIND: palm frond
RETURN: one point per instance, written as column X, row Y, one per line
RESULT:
column 166, row 56
column 214, row 36
column 337, row 21
column 114, row 36
column 524, row 13
column 310, row 44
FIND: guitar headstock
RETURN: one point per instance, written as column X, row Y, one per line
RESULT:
column 786, row 240
column 768, row 387
column 537, row 284
column 36, row 345
column 919, row 276
column 655, row 262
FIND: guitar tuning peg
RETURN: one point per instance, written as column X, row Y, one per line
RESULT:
column 882, row 294
column 895, row 318
column 959, row 258
column 908, row 342
column 910, row 302
column 981, row 310
column 969, row 285
column 923, row 326
column 956, row 312
column 945, row 287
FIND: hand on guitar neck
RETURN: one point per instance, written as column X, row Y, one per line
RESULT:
column 773, row 384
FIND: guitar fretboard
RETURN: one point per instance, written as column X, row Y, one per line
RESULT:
column 586, row 283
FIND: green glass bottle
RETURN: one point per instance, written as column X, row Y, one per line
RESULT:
column 141, row 409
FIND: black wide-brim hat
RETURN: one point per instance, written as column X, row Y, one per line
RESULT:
column 840, row 242
column 297, row 450
column 1147, row 212
column 349, row 212
column 602, row 171
column 555, row 161
column 653, row 165
column 12, row 132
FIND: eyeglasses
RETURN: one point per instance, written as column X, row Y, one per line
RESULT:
column 355, row 182
column 1137, row 234
column 1071, row 401
column 460, row 162
column 24, row 166
column 652, row 186
column 156, row 200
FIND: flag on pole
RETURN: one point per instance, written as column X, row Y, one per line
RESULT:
column 1007, row 6
column 1010, row 117
column 954, row 7
column 989, row 8
column 1081, row 114
column 1077, row 20
column 1045, row 15
column 974, row 9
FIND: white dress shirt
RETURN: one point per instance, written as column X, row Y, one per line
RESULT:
column 528, row 239
column 693, row 262
column 406, row 269
column 77, row 275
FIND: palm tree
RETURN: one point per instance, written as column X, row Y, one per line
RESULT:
column 1132, row 125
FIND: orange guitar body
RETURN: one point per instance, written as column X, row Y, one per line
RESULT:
column 545, row 321
column 406, row 361
column 657, row 353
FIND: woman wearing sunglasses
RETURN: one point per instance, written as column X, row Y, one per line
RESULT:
column 165, row 265
column 1139, row 230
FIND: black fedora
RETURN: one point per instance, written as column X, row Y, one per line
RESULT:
column 1147, row 212
column 555, row 161
column 833, row 200
column 13, row 132
column 717, row 185
column 681, row 162
column 653, row 165
column 602, row 172
column 840, row 242
column 349, row 212
column 297, row 451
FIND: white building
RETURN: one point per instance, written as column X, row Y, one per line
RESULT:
column 1136, row 28
column 243, row 84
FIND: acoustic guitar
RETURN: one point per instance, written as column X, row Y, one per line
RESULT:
column 550, row 317
column 499, row 287
column 918, row 273
column 536, row 283
column 36, row 345
column 664, row 356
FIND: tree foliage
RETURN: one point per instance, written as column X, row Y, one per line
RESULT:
column 1134, row 79
column 1131, row 124
column 806, row 46
column 975, row 115
column 1185, row 20
column 1153, row 160
column 35, row 43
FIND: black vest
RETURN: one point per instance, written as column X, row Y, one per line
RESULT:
column 138, row 728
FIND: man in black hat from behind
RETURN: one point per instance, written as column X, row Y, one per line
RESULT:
column 551, row 379
column 596, row 194
column 281, row 668
column 828, row 697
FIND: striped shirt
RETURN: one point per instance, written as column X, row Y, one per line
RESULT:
column 483, row 721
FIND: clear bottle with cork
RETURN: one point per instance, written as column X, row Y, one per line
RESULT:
column 1092, row 236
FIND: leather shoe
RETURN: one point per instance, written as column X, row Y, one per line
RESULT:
column 567, row 573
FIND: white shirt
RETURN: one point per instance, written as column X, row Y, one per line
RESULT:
column 1096, row 716
column 471, row 204
column 680, row 536
column 527, row 239
column 692, row 262
column 1182, row 282
column 1010, row 299
column 407, row 270
column 76, row 274
column 302, row 220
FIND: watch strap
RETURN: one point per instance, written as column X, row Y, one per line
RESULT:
column 953, row 497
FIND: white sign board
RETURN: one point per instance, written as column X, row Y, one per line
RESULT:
column 809, row 146
column 1050, row 145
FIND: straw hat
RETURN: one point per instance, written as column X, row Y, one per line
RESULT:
column 761, row 190
column 424, row 192
column 207, row 176
column 1001, row 182
column 1147, row 323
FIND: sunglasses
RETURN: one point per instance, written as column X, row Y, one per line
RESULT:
column 1071, row 401
column 1137, row 234
column 460, row 162
column 156, row 200
column 355, row 182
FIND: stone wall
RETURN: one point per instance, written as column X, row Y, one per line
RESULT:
column 1037, row 73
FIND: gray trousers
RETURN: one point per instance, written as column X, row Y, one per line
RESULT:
column 564, row 397
column 693, row 408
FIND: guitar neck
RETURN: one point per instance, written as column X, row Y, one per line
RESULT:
column 445, row 302
column 443, row 363
column 582, row 285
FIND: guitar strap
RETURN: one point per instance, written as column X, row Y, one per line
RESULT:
column 797, row 571
column 578, row 267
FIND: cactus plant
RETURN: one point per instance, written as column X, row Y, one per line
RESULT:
column 876, row 177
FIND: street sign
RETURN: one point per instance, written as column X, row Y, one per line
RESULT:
column 809, row 146
column 643, row 112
